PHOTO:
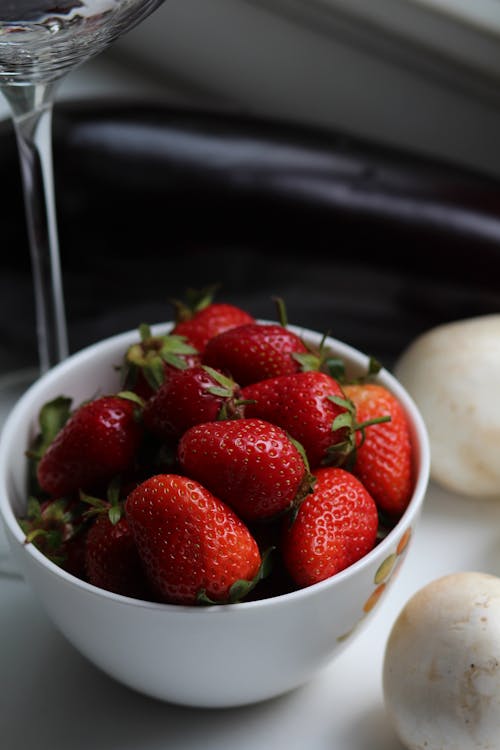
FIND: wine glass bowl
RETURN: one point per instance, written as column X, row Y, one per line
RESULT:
column 40, row 40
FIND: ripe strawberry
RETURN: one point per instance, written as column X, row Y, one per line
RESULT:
column 309, row 405
column 193, row 546
column 110, row 555
column 255, row 352
column 384, row 453
column 250, row 464
column 335, row 526
column 98, row 441
column 200, row 319
column 111, row 558
column 188, row 397
column 149, row 363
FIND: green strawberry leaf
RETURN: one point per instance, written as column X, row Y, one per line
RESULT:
column 227, row 384
column 52, row 418
column 281, row 309
column 196, row 300
column 131, row 396
column 145, row 332
column 154, row 373
column 34, row 512
column 335, row 367
column 308, row 361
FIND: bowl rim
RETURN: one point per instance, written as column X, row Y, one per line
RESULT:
column 21, row 411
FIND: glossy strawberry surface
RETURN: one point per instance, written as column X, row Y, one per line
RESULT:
column 100, row 440
column 384, row 455
column 302, row 405
column 189, row 397
column 249, row 463
column 209, row 322
column 255, row 352
column 190, row 542
column 335, row 526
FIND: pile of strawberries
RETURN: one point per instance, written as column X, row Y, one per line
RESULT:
column 234, row 462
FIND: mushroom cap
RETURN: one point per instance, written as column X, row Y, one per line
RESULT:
column 453, row 374
column 441, row 674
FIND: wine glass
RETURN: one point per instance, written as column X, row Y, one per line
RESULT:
column 40, row 42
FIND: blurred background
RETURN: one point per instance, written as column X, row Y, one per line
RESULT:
column 420, row 74
column 385, row 112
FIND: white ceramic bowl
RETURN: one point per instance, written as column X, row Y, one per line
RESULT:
column 218, row 656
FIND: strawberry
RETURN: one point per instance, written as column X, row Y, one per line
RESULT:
column 255, row 352
column 200, row 319
column 250, row 464
column 188, row 397
column 148, row 363
column 193, row 546
column 56, row 528
column 335, row 526
column 111, row 558
column 110, row 555
column 99, row 440
column 384, row 452
column 310, row 406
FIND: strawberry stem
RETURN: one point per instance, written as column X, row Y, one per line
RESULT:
column 281, row 308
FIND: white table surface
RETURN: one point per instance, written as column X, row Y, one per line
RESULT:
column 53, row 699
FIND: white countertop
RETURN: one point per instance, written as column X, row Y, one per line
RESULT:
column 53, row 699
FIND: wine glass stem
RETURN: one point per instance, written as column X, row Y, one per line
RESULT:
column 32, row 116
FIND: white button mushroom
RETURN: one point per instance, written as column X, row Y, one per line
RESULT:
column 441, row 675
column 453, row 374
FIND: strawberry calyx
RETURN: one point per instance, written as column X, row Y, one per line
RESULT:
column 373, row 368
column 150, row 355
column 135, row 399
column 242, row 587
column 321, row 360
column 317, row 360
column 113, row 506
column 227, row 389
column 51, row 419
column 344, row 452
column 308, row 480
column 50, row 524
column 196, row 300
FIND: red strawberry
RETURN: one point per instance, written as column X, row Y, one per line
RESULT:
column 255, row 352
column 188, row 397
column 335, row 526
column 149, row 363
column 384, row 451
column 111, row 558
column 98, row 441
column 250, row 464
column 308, row 405
column 192, row 545
column 200, row 319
